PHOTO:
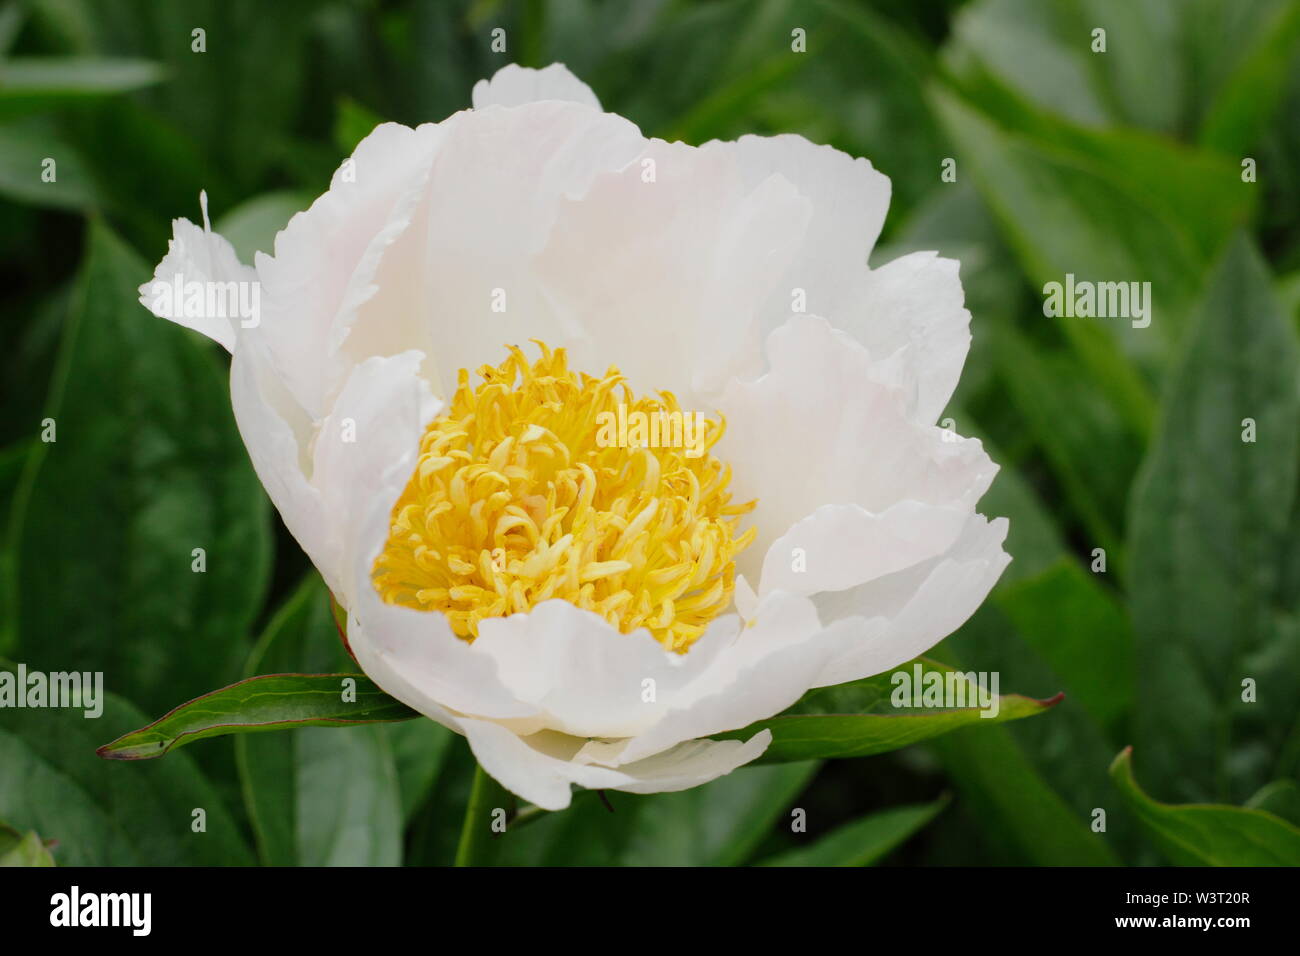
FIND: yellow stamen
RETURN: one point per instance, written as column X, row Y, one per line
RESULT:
column 518, row 497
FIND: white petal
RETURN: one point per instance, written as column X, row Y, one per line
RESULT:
column 828, row 424
column 666, row 263
column 848, row 199
column 915, row 304
column 316, row 476
column 515, row 85
column 769, row 667
column 277, row 432
column 918, row 607
column 691, row 763
column 462, row 275
column 542, row 768
column 587, row 678
column 844, row 545
column 326, row 258
column 370, row 440
column 196, row 255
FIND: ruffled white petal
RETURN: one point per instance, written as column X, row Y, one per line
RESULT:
column 666, row 261
column 829, row 424
column 848, row 198
column 276, row 432
column 840, row 546
column 543, row 768
column 904, row 614
column 587, row 678
column 327, row 256
column 203, row 256
column 915, row 306
column 514, row 85
column 465, row 269
column 768, row 667
column 313, row 474
column 369, row 440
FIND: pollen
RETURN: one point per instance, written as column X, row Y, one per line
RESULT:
column 543, row 483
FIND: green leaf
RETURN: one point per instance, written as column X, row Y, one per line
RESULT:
column 858, row 719
column 261, row 704
column 103, row 813
column 419, row 748
column 353, row 124
column 1213, row 63
column 161, row 181
column 147, row 467
column 12, row 15
column 1024, row 46
column 1210, row 514
column 22, row 849
column 1055, row 768
column 1280, row 798
column 720, row 823
column 1011, row 803
column 1081, row 631
column 26, row 148
column 320, row 796
column 252, row 226
column 240, row 99
column 1208, row 835
column 1109, row 205
column 865, row 841
column 1093, row 451
column 1247, row 101
column 32, row 81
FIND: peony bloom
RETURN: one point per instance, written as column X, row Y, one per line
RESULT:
column 447, row 393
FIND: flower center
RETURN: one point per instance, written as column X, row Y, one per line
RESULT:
column 541, row 483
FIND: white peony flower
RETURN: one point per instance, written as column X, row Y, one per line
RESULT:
column 583, row 610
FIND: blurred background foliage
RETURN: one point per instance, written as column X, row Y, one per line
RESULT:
column 1124, row 165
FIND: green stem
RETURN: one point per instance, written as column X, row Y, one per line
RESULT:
column 485, row 796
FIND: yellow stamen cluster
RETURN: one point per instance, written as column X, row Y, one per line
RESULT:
column 517, row 499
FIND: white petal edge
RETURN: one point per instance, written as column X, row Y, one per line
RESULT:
column 542, row 768
column 914, row 306
column 842, row 546
column 849, row 199
column 828, row 423
column 588, row 679
column 515, row 85
column 196, row 255
column 903, row 615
